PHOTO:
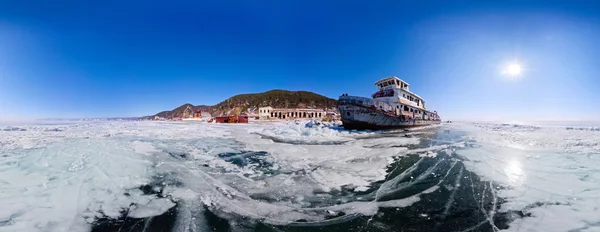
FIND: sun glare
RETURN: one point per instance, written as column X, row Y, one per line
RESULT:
column 514, row 70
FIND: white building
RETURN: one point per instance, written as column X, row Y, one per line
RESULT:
column 264, row 112
column 271, row 113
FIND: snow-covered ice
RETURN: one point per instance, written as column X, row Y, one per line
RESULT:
column 551, row 171
column 66, row 176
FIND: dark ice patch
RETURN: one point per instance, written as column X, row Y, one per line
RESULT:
column 247, row 158
column 178, row 154
column 160, row 223
column 333, row 215
column 299, row 141
column 12, row 128
column 215, row 222
column 163, row 222
column 584, row 128
column 158, row 183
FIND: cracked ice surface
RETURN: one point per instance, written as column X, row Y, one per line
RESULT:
column 66, row 176
column 550, row 171
column 62, row 177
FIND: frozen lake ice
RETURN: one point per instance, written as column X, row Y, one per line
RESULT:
column 298, row 176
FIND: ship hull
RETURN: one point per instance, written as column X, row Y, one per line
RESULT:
column 363, row 118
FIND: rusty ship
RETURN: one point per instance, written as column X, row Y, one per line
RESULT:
column 393, row 106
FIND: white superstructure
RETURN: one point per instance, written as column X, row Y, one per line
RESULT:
column 394, row 95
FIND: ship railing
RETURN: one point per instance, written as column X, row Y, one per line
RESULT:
column 383, row 106
column 354, row 100
column 365, row 102
column 383, row 93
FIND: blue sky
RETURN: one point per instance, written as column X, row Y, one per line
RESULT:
column 110, row 58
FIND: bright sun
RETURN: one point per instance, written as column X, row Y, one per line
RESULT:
column 514, row 70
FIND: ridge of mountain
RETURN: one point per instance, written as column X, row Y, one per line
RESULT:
column 250, row 102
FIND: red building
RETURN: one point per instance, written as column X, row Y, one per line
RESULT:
column 232, row 119
column 198, row 114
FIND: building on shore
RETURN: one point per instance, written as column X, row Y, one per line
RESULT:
column 231, row 119
column 202, row 114
column 266, row 113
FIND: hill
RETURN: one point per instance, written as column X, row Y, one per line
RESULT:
column 249, row 103
column 177, row 112
column 184, row 110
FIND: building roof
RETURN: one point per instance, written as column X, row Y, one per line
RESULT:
column 390, row 78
